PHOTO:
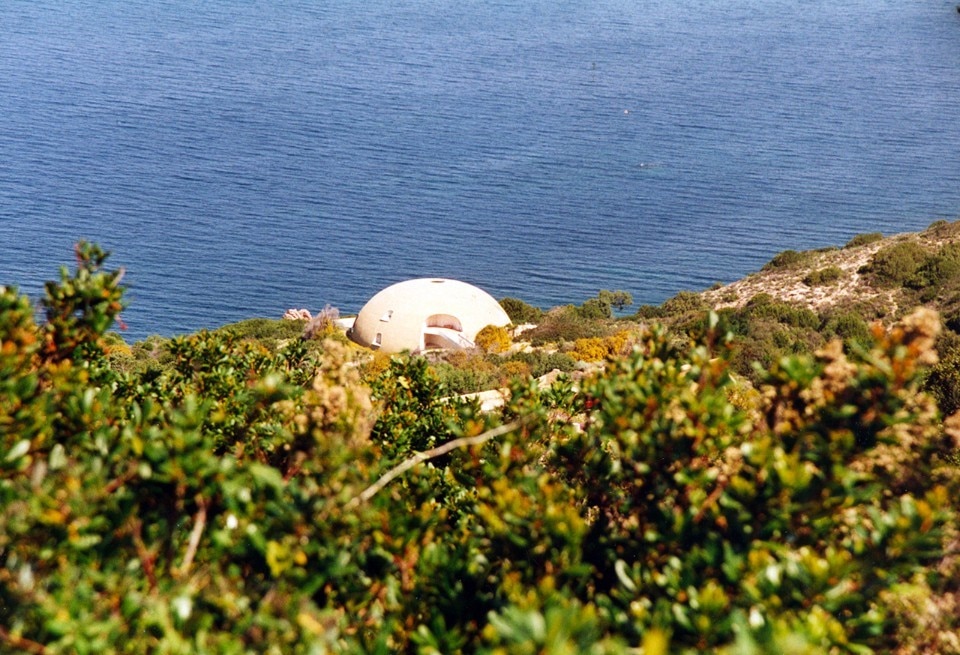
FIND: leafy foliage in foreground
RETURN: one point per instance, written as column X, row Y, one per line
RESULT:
column 223, row 504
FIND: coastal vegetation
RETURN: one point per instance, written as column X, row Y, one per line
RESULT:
column 765, row 467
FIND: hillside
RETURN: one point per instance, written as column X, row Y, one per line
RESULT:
column 787, row 277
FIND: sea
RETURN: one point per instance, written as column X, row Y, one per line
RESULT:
column 239, row 158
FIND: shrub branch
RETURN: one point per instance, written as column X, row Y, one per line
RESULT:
column 199, row 523
column 425, row 455
column 146, row 557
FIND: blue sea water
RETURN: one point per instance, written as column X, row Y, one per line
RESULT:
column 240, row 158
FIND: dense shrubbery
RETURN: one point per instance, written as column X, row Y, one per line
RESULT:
column 540, row 362
column 596, row 349
column 763, row 305
column 897, row 264
column 683, row 307
column 682, row 303
column 943, row 383
column 470, row 371
column 520, row 312
column 848, row 326
column 243, row 500
column 269, row 332
column 565, row 324
column 763, row 330
column 462, row 372
column 926, row 275
column 939, row 269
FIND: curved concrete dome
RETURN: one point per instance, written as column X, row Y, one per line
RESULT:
column 426, row 313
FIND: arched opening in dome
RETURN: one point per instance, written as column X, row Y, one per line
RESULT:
column 444, row 321
column 444, row 331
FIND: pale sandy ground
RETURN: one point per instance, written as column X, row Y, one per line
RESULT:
column 788, row 284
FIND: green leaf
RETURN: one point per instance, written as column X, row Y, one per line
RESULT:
column 58, row 457
column 267, row 476
column 623, row 575
column 20, row 449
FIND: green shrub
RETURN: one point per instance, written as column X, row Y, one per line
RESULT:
column 541, row 363
column 521, row 313
column 943, row 379
column 645, row 312
column 565, row 324
column 786, row 259
column 415, row 412
column 730, row 321
column 593, row 309
column 849, row 326
column 697, row 537
column 476, row 374
column 864, row 239
column 943, row 383
column 763, row 305
column 229, row 505
column 752, row 357
column 685, row 302
column 265, row 330
column 767, row 329
column 938, row 270
column 81, row 308
column 897, row 264
column 823, row 276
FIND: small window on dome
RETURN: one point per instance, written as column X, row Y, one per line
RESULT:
column 386, row 317
column 376, row 341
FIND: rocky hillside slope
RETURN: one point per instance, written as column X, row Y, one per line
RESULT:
column 828, row 279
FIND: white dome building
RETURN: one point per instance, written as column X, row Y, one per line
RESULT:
column 426, row 313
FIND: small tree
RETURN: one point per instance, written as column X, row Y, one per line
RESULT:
column 602, row 305
column 81, row 307
column 617, row 299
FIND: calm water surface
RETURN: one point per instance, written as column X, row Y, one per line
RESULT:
column 242, row 158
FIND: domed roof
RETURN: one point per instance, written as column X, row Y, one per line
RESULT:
column 426, row 313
